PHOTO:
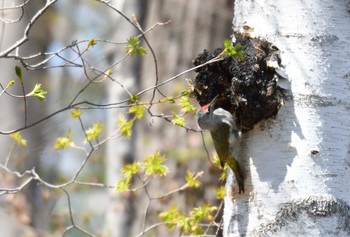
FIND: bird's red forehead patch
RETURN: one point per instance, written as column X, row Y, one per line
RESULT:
column 204, row 108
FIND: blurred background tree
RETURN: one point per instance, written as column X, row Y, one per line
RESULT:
column 75, row 49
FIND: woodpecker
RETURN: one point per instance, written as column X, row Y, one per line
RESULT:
column 224, row 132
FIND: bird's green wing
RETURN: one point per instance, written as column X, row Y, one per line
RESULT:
column 236, row 168
column 221, row 142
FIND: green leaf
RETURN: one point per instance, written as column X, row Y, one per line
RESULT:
column 133, row 47
column 167, row 99
column 196, row 230
column 18, row 71
column 131, row 169
column 216, row 162
column 185, row 224
column 178, row 120
column 202, row 212
column 38, row 92
column 171, row 217
column 128, row 171
column 11, row 83
column 123, row 184
column 125, row 126
column 239, row 49
column 93, row 132
column 223, row 175
column 64, row 142
column 227, row 43
column 233, row 51
column 186, row 105
column 18, row 139
column 75, row 113
column 107, row 74
column 191, row 180
column 186, row 93
column 138, row 110
column 91, row 43
column 134, row 98
column 220, row 192
column 153, row 165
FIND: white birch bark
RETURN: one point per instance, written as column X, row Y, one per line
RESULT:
column 119, row 215
column 289, row 190
column 9, row 109
column 7, row 104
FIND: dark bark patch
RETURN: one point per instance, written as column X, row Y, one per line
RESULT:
column 247, row 88
column 301, row 217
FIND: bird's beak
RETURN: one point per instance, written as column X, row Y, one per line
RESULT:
column 212, row 105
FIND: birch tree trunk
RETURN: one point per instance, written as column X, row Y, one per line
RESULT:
column 9, row 105
column 11, row 109
column 120, row 214
column 297, row 165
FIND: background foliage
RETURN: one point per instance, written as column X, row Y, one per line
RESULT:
column 59, row 61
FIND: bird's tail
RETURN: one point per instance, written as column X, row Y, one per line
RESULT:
column 237, row 170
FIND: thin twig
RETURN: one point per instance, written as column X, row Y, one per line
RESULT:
column 182, row 188
column 73, row 226
column 9, row 21
column 14, row 7
column 28, row 28
column 102, row 105
column 216, row 216
column 25, row 103
column 17, row 189
column 10, row 153
column 177, row 76
column 150, row 228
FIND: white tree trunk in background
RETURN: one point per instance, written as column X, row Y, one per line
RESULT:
column 9, row 109
column 298, row 164
column 119, row 214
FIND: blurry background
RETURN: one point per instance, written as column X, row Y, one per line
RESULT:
column 37, row 211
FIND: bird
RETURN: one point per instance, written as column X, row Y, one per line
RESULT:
column 222, row 127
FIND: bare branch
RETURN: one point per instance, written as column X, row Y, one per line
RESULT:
column 9, row 21
column 25, row 37
column 17, row 189
column 73, row 226
column 151, row 228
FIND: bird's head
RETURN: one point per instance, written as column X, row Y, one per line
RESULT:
column 205, row 115
column 208, row 108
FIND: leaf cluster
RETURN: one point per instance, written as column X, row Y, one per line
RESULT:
column 64, row 142
column 188, row 223
column 17, row 137
column 191, row 180
column 38, row 92
column 125, row 126
column 235, row 51
column 153, row 165
column 178, row 120
column 93, row 132
column 186, row 107
column 133, row 47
